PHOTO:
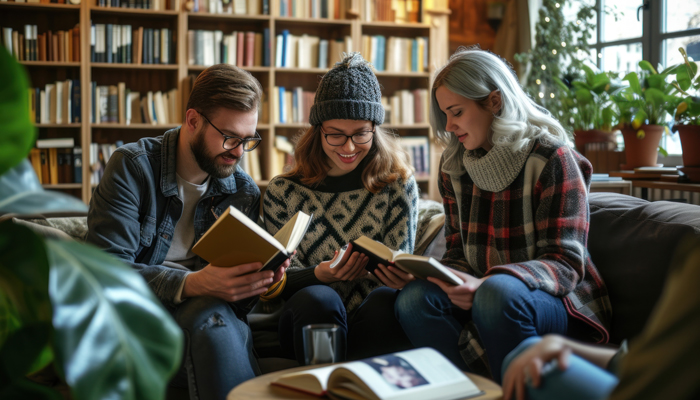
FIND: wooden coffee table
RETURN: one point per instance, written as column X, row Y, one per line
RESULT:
column 260, row 388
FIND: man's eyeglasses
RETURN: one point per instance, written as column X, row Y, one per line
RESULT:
column 231, row 142
column 338, row 139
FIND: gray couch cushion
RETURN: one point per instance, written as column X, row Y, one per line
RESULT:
column 632, row 242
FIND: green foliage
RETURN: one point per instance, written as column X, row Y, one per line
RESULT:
column 563, row 62
column 18, row 132
column 588, row 100
column 686, row 106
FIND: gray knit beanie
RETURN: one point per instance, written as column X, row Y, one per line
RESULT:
column 350, row 90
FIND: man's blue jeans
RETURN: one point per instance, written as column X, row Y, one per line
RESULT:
column 505, row 312
column 218, row 348
column 580, row 381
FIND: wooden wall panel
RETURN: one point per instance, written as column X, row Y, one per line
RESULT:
column 468, row 24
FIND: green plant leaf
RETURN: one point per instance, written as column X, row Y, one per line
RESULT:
column 561, row 85
column 655, row 97
column 683, row 77
column 584, row 96
column 113, row 337
column 646, row 66
column 22, row 348
column 18, row 134
column 590, row 75
column 633, row 80
column 26, row 389
column 663, row 151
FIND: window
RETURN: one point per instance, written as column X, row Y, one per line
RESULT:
column 650, row 30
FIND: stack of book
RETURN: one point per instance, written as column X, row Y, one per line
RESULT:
column 240, row 7
column 56, row 103
column 29, row 45
column 243, row 49
column 111, row 43
column 330, row 9
column 305, row 51
column 396, row 54
column 400, row 11
column 57, row 161
column 291, row 105
column 118, row 104
column 418, row 149
column 407, row 107
column 156, row 5
column 99, row 156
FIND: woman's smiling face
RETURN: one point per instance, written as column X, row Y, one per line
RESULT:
column 345, row 158
column 466, row 119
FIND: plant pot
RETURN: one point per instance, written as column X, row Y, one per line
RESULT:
column 581, row 138
column 690, row 142
column 642, row 152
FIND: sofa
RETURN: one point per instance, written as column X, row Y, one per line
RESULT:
column 631, row 241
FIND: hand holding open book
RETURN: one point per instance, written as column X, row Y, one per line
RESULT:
column 235, row 239
column 419, row 266
column 409, row 375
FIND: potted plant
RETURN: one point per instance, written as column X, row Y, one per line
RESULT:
column 642, row 114
column 591, row 109
column 64, row 305
column 686, row 109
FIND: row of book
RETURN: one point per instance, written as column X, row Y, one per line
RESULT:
column 418, row 149
column 396, row 54
column 118, row 104
column 240, row 7
column 291, row 105
column 244, row 49
column 111, row 43
column 250, row 163
column 56, row 103
column 74, row 2
column 99, row 155
column 29, row 45
column 155, row 5
column 400, row 11
column 306, row 51
column 329, row 9
column 57, row 161
column 406, row 107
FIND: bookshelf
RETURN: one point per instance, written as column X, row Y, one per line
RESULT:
column 348, row 23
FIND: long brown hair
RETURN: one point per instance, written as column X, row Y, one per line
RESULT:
column 386, row 161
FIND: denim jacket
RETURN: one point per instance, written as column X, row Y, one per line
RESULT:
column 134, row 209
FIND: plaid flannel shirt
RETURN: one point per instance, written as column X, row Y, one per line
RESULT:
column 536, row 230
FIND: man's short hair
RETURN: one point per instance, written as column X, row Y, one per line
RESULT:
column 226, row 86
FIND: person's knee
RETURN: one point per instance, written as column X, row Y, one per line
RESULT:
column 496, row 297
column 319, row 301
column 205, row 313
column 416, row 297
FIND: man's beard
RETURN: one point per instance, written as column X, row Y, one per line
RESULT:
column 207, row 162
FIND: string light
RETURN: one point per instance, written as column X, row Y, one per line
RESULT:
column 557, row 5
column 546, row 19
column 600, row 55
column 563, row 44
column 578, row 22
column 551, row 95
column 541, row 95
column 544, row 67
column 554, row 51
column 539, row 82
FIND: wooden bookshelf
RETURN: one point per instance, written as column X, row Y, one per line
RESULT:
column 177, row 74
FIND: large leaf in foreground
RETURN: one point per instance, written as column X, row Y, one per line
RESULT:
column 113, row 337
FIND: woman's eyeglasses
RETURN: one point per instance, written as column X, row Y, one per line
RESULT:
column 338, row 139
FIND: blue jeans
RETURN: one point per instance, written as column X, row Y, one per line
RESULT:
column 581, row 380
column 372, row 329
column 218, row 348
column 505, row 312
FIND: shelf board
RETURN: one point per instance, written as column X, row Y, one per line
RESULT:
column 50, row 64
column 72, row 125
column 422, row 178
column 249, row 69
column 133, row 126
column 63, row 186
column 262, row 127
column 262, row 183
column 301, row 70
column 52, row 6
column 167, row 67
column 292, row 125
column 202, row 15
column 314, row 21
column 412, row 126
column 403, row 74
column 396, row 25
column 133, row 11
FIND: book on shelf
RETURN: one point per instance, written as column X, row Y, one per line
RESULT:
column 118, row 104
column 418, row 149
column 416, row 374
column 155, row 5
column 122, row 44
column 401, row 11
column 55, row 103
column 235, row 239
column 327, row 9
column 55, row 143
column 293, row 104
column 407, row 107
column 240, row 48
column 419, row 266
column 308, row 51
column 27, row 44
column 53, row 161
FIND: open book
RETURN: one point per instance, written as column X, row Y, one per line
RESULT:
column 408, row 375
column 234, row 239
column 420, row 266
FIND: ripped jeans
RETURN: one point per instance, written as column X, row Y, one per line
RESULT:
column 218, row 348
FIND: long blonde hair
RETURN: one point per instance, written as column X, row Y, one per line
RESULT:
column 386, row 161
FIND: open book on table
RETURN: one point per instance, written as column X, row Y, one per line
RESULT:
column 419, row 266
column 235, row 239
column 408, row 375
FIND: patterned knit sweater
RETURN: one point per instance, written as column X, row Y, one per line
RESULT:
column 526, row 215
column 340, row 216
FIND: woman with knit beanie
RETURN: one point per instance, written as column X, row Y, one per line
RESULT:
column 516, row 203
column 356, row 180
